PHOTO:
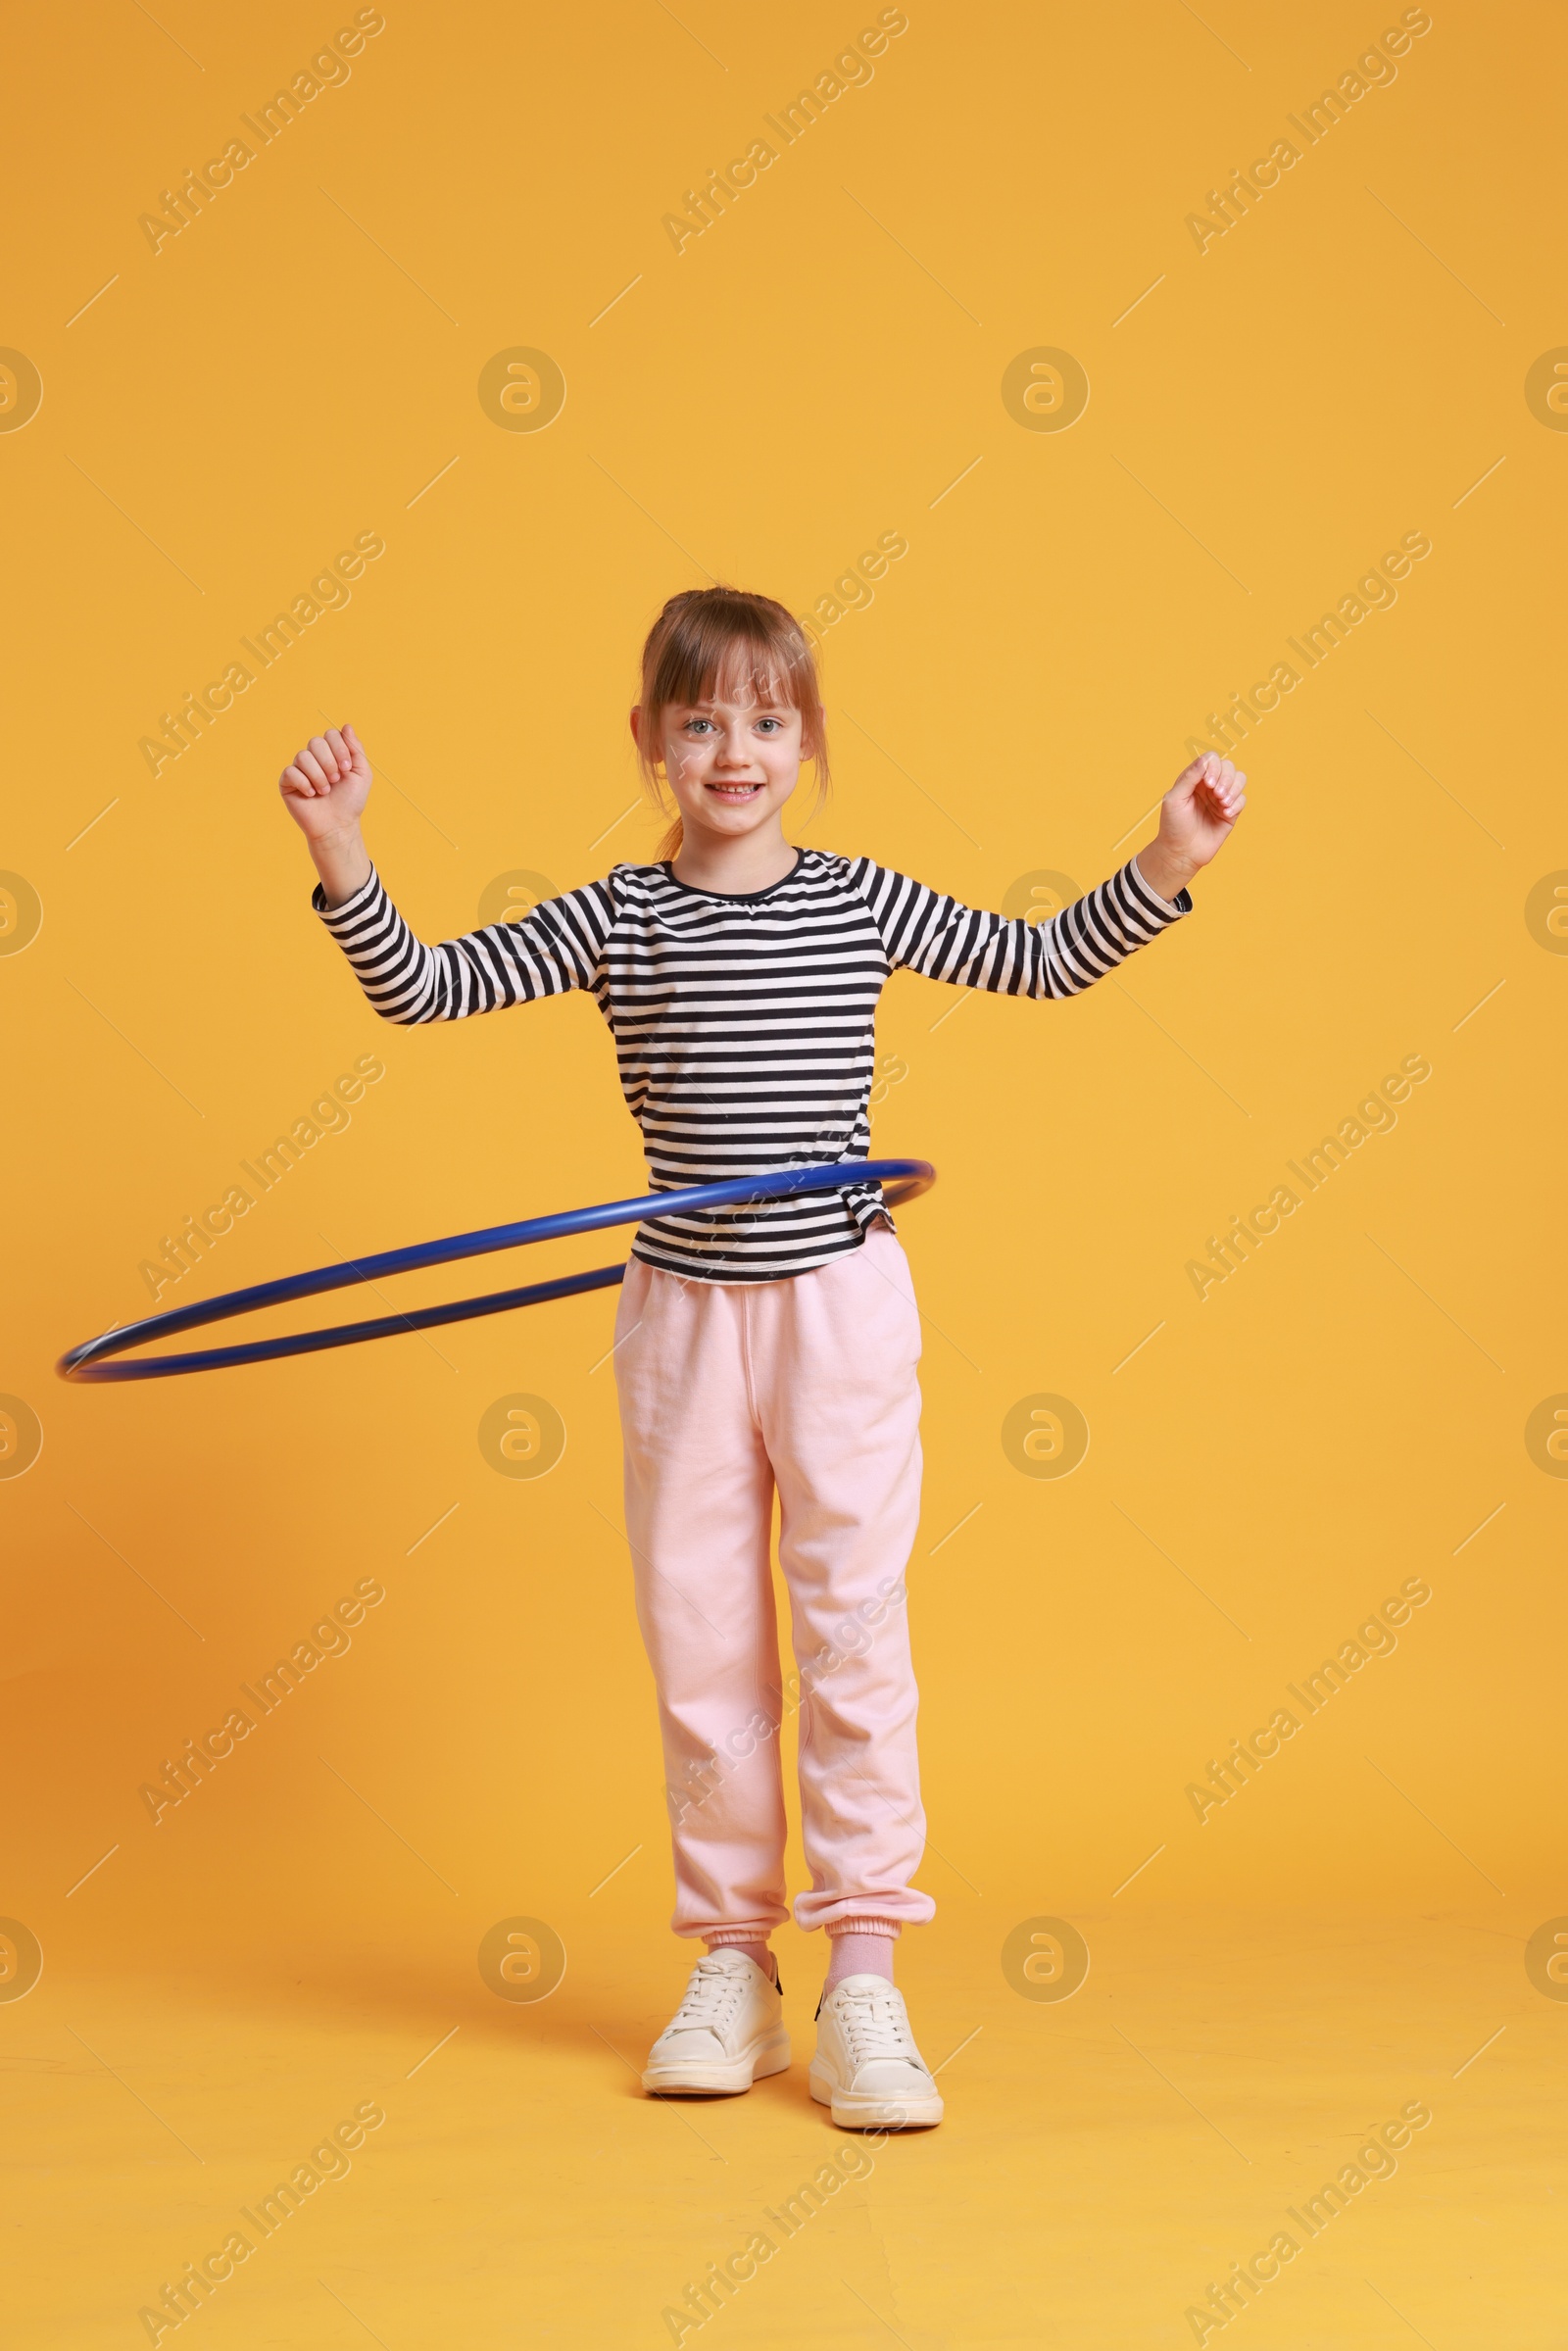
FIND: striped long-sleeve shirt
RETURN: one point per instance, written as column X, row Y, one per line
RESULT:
column 744, row 1026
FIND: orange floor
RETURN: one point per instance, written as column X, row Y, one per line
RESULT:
column 1108, row 2158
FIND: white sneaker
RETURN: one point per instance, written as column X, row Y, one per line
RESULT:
column 867, row 2069
column 727, row 2033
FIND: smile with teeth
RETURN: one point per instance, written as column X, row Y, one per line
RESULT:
column 736, row 791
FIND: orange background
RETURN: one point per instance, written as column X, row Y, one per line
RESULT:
column 821, row 367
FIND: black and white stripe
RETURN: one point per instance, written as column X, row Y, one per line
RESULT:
column 744, row 1027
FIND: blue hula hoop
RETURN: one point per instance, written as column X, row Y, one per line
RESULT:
column 909, row 1178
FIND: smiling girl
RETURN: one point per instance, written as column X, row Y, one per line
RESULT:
column 769, row 1349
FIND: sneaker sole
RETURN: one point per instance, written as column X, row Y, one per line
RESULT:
column 863, row 2113
column 772, row 2056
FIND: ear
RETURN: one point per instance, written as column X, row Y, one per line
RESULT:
column 637, row 726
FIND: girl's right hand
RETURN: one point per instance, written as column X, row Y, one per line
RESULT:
column 326, row 786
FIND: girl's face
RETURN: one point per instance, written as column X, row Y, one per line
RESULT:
column 731, row 765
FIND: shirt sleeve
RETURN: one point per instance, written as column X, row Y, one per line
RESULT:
column 926, row 932
column 558, row 946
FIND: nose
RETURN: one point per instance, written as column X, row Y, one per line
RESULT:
column 734, row 752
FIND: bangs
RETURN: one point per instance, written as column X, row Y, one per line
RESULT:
column 731, row 657
column 754, row 674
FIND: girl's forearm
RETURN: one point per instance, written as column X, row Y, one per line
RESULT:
column 343, row 862
column 1164, row 869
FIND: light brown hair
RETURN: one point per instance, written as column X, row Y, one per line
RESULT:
column 725, row 644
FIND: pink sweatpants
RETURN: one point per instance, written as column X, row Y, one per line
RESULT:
column 729, row 1392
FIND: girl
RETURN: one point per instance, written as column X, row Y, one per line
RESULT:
column 772, row 1348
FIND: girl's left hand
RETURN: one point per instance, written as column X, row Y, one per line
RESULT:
column 1196, row 817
